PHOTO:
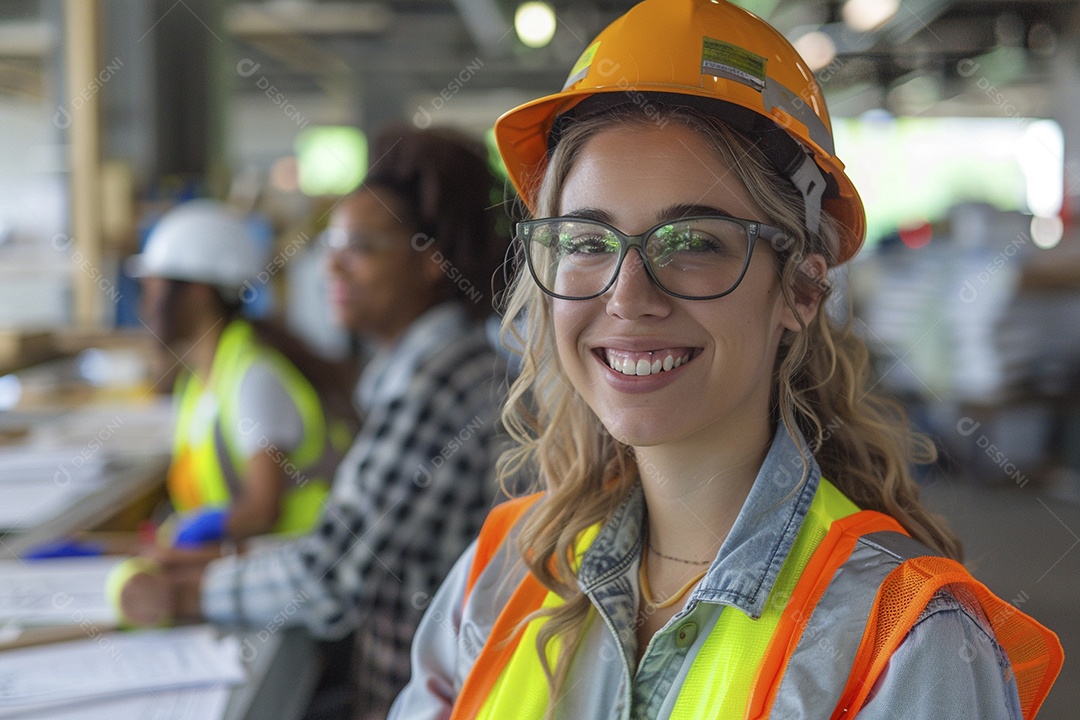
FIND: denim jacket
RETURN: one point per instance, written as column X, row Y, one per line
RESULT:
column 949, row 666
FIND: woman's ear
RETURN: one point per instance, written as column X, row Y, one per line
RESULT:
column 811, row 284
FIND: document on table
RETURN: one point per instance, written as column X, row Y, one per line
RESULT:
column 64, row 591
column 111, row 431
column 21, row 465
column 38, row 484
column 24, row 506
column 201, row 703
column 116, row 665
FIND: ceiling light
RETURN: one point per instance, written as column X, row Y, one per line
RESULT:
column 1042, row 39
column 1046, row 232
column 1041, row 154
column 534, row 23
column 817, row 49
column 865, row 15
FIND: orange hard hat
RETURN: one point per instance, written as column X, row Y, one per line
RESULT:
column 711, row 55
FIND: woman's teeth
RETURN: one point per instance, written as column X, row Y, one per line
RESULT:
column 645, row 363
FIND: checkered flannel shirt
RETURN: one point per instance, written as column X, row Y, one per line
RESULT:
column 407, row 499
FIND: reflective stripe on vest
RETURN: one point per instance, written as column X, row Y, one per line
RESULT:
column 720, row 678
column 717, row 681
column 815, row 673
column 208, row 465
column 806, row 653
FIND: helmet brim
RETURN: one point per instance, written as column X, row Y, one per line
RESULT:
column 135, row 266
column 522, row 136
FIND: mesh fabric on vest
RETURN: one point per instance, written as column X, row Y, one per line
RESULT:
column 1034, row 652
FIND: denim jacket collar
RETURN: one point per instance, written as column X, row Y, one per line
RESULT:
column 747, row 564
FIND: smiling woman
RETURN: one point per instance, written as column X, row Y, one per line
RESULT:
column 719, row 395
column 727, row 525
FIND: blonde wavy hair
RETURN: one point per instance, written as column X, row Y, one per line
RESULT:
column 861, row 441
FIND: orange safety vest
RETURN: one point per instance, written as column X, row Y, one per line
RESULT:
column 1034, row 652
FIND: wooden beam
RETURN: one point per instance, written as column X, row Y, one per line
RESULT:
column 83, row 65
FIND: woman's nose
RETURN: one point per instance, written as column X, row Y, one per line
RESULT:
column 634, row 294
column 335, row 261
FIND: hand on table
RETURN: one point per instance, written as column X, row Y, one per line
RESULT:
column 170, row 591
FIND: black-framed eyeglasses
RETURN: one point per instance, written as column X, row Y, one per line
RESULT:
column 693, row 258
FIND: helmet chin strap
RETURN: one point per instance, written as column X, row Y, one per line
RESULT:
column 809, row 181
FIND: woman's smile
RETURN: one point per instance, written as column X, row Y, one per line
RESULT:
column 635, row 350
column 651, row 362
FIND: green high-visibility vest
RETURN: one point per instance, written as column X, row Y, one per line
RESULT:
column 208, row 465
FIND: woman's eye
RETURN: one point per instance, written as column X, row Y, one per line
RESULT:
column 699, row 242
column 587, row 245
column 672, row 243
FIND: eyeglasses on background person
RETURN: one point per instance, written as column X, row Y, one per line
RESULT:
column 357, row 244
column 694, row 258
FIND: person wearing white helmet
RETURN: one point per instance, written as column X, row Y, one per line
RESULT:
column 200, row 241
column 727, row 525
column 412, row 254
column 254, row 442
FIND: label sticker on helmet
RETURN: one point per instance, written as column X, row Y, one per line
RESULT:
column 729, row 61
column 581, row 67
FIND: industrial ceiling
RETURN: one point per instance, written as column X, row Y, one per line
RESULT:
column 937, row 56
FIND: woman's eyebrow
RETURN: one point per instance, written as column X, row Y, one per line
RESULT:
column 672, row 212
column 588, row 213
column 681, row 210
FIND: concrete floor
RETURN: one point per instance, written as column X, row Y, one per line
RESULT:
column 1022, row 543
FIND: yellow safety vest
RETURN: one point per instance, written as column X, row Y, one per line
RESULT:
column 208, row 465
column 739, row 670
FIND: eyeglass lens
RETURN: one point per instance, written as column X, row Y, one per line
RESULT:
column 340, row 239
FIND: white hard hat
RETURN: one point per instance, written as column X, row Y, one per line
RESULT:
column 200, row 241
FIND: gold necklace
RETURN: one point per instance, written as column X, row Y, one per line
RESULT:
column 646, row 592
column 684, row 562
column 648, row 544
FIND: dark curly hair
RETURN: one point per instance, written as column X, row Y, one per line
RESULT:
column 444, row 180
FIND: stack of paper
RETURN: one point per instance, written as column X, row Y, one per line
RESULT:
column 902, row 319
column 203, row 703
column 39, row 484
column 72, row 456
column 67, row 591
column 118, row 675
column 112, row 431
column 99, row 673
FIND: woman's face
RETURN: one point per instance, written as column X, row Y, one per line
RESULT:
column 635, row 178
column 169, row 309
column 379, row 282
